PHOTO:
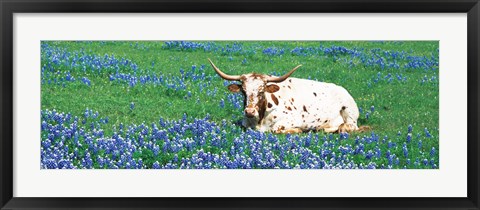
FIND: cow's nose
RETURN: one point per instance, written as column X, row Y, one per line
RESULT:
column 249, row 112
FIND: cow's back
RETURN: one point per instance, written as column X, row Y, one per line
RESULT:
column 307, row 104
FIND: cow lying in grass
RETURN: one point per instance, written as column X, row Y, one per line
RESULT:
column 292, row 105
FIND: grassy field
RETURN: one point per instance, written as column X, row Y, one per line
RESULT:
column 160, row 105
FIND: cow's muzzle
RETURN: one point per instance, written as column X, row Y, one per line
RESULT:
column 250, row 112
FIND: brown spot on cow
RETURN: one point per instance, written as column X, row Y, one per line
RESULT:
column 303, row 116
column 289, row 87
column 290, row 80
column 269, row 105
column 275, row 100
column 293, row 100
column 272, row 88
column 274, row 117
column 257, row 76
column 262, row 107
column 304, row 108
column 289, row 108
column 315, row 94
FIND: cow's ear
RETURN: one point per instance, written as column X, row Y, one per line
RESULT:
column 272, row 88
column 234, row 88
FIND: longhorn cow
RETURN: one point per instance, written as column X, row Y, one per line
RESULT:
column 292, row 105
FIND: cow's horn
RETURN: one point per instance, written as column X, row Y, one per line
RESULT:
column 223, row 75
column 284, row 77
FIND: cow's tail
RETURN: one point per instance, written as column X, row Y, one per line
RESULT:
column 348, row 127
column 364, row 128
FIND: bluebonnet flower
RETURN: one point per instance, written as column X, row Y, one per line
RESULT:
column 244, row 61
column 156, row 165
column 369, row 154
column 132, row 106
column 271, row 51
column 69, row 77
column 378, row 152
column 222, row 103
column 433, row 151
column 425, row 162
column 405, row 150
column 427, row 134
column 86, row 113
column 86, row 81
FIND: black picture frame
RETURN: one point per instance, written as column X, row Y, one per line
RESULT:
column 10, row 7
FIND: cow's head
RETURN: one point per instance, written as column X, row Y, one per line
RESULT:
column 253, row 86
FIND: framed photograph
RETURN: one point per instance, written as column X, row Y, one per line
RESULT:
column 239, row 105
